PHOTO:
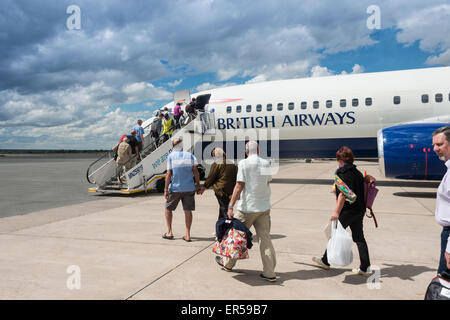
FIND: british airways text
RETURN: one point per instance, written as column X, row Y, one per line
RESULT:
column 297, row 120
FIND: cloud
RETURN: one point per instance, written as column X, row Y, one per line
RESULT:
column 140, row 91
column 258, row 78
column 318, row 71
column 175, row 83
column 208, row 86
column 355, row 69
column 441, row 59
column 430, row 26
column 52, row 77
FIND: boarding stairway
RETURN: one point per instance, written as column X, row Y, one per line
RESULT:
column 149, row 172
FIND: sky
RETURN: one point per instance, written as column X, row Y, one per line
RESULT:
column 78, row 74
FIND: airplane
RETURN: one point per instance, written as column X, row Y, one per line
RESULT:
column 390, row 115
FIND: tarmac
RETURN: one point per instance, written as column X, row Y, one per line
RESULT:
column 112, row 248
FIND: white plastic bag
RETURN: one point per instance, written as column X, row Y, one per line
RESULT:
column 327, row 230
column 339, row 248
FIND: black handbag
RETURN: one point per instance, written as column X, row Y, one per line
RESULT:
column 439, row 288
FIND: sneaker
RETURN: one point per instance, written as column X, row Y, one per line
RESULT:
column 268, row 279
column 320, row 263
column 358, row 271
column 219, row 261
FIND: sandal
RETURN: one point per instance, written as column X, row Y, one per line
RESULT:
column 165, row 236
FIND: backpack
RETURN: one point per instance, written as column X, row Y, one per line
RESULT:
column 370, row 193
column 439, row 288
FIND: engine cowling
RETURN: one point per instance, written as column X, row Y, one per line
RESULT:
column 406, row 152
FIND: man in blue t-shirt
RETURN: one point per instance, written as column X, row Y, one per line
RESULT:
column 139, row 134
column 182, row 181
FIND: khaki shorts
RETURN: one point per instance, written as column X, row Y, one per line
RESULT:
column 187, row 199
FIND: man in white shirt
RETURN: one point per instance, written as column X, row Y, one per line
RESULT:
column 253, row 209
column 441, row 146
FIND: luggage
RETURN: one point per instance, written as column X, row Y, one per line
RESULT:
column 439, row 288
column 370, row 192
column 233, row 245
column 339, row 247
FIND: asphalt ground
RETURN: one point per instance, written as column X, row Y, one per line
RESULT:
column 112, row 248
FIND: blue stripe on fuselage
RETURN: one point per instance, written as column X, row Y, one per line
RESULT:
column 311, row 148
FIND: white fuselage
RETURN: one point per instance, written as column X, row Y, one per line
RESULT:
column 310, row 112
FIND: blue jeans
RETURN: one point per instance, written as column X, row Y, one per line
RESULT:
column 444, row 238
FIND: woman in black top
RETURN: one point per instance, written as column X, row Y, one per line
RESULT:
column 350, row 215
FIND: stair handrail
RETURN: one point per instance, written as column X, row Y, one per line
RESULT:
column 142, row 154
column 108, row 153
column 155, row 143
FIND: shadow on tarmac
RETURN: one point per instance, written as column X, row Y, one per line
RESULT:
column 403, row 272
column 380, row 183
column 427, row 195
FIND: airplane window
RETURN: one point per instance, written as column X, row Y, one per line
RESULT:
column 329, row 103
column 438, row 97
column 303, row 105
column 280, row 107
column 425, row 98
column 229, row 109
column 269, row 107
column 355, row 102
column 249, row 108
column 316, row 104
column 397, row 100
column 343, row 103
column 368, row 101
column 238, row 109
column 258, row 107
column 291, row 106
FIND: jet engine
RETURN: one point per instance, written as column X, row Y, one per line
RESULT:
column 406, row 152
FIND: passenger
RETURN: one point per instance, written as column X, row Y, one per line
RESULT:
column 182, row 181
column 132, row 141
column 222, row 177
column 124, row 156
column 441, row 146
column 190, row 109
column 254, row 207
column 176, row 113
column 156, row 129
column 116, row 147
column 139, row 134
column 350, row 214
column 168, row 126
column 182, row 119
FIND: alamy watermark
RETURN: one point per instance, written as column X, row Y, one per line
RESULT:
column 374, row 20
column 374, row 281
column 74, row 280
column 73, row 22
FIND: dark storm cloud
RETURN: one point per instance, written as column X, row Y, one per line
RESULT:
column 52, row 77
